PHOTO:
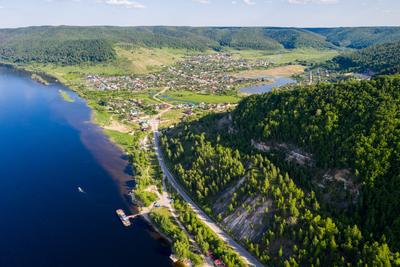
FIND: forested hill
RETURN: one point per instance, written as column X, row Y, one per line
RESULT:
column 359, row 37
column 67, row 52
column 380, row 59
column 198, row 38
column 303, row 177
column 353, row 126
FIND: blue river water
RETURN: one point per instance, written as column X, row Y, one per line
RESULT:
column 266, row 88
column 49, row 148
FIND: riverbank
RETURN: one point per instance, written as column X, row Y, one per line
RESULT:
column 51, row 184
column 100, row 118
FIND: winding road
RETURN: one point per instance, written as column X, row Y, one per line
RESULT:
column 249, row 259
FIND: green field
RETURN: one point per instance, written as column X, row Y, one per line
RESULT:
column 125, row 140
column 196, row 98
column 99, row 116
column 139, row 60
column 171, row 117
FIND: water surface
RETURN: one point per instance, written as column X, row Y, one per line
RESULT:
column 48, row 148
column 265, row 88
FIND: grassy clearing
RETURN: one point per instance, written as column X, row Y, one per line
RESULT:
column 147, row 198
column 192, row 97
column 139, row 60
column 99, row 115
column 66, row 96
column 125, row 140
column 171, row 117
column 287, row 56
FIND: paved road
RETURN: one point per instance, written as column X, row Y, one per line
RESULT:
column 251, row 260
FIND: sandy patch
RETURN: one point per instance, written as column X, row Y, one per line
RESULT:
column 117, row 126
column 287, row 71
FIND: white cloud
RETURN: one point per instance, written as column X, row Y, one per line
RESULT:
column 125, row 3
column 303, row 2
column 203, row 1
column 63, row 1
column 249, row 2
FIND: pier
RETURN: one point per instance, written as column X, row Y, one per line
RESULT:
column 125, row 219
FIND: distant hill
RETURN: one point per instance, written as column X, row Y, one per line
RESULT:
column 241, row 38
column 17, row 43
column 297, row 38
column 381, row 59
column 360, row 37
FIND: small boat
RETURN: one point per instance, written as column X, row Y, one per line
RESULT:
column 81, row 190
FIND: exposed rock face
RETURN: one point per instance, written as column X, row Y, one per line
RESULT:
column 263, row 147
column 293, row 153
column 250, row 222
column 247, row 221
column 337, row 188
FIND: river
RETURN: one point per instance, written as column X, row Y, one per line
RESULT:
column 49, row 148
column 265, row 88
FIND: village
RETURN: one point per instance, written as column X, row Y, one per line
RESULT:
column 131, row 98
column 202, row 73
column 139, row 111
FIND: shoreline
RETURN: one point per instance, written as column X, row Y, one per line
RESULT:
column 132, row 208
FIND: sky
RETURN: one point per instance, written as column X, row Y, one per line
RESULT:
column 294, row 13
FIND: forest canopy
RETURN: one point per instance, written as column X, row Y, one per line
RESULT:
column 68, row 52
column 348, row 125
column 352, row 125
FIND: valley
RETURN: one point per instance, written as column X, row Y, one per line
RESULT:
column 249, row 146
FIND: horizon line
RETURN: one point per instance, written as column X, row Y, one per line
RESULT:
column 198, row 26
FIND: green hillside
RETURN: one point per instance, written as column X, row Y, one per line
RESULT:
column 297, row 38
column 151, row 36
column 381, row 59
column 351, row 125
column 305, row 177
